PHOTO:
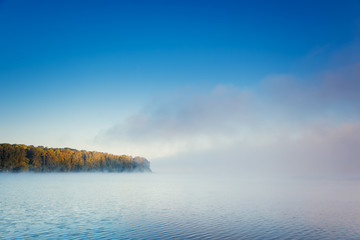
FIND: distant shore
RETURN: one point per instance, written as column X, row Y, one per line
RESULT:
column 20, row 158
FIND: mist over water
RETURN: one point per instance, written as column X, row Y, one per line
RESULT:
column 249, row 113
column 176, row 206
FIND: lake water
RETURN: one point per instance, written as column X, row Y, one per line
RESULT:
column 165, row 206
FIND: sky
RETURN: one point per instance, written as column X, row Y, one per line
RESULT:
column 246, row 85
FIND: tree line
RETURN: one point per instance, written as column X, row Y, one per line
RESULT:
column 18, row 157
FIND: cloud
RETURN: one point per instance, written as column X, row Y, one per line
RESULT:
column 305, row 122
column 186, row 123
column 327, row 91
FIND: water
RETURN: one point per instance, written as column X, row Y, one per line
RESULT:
column 161, row 206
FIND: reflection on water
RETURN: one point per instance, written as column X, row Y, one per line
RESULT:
column 159, row 206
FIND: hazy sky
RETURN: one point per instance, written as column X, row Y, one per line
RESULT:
column 270, row 83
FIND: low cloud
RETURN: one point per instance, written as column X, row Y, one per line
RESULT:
column 308, row 124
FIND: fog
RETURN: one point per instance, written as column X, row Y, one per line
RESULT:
column 287, row 124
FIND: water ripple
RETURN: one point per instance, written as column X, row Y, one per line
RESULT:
column 113, row 206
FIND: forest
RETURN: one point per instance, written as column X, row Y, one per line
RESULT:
column 18, row 157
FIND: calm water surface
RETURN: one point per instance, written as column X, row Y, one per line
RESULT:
column 161, row 206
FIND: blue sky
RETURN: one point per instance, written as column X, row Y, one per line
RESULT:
column 73, row 71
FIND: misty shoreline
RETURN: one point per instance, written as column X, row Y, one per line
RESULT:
column 23, row 158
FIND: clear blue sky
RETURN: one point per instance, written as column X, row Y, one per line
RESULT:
column 75, row 68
